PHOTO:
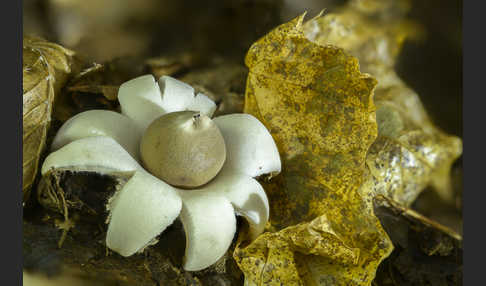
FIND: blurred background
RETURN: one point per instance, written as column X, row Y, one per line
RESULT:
column 218, row 33
column 104, row 30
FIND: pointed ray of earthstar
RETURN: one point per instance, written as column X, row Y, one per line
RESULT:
column 250, row 148
column 100, row 123
column 210, row 225
column 99, row 154
column 139, row 212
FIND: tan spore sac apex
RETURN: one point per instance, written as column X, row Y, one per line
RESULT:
column 184, row 149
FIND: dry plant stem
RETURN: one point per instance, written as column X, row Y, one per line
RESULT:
column 66, row 225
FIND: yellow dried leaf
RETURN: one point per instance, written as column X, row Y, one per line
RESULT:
column 45, row 69
column 318, row 107
column 410, row 153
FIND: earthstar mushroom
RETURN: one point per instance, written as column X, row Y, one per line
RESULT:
column 179, row 163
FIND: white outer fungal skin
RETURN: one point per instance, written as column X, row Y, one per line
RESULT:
column 250, row 148
column 141, row 100
column 101, row 154
column 100, row 123
column 203, row 104
column 179, row 96
column 247, row 197
column 209, row 220
column 144, row 100
column 144, row 206
column 210, row 225
column 142, row 209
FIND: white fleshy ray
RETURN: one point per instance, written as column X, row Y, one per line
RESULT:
column 179, row 96
column 203, row 104
column 141, row 210
column 247, row 197
column 250, row 148
column 145, row 205
column 176, row 95
column 141, row 100
column 98, row 154
column 100, row 123
column 210, row 225
column 144, row 100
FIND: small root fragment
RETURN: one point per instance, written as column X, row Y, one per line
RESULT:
column 67, row 224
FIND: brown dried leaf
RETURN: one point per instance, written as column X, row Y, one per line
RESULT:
column 90, row 80
column 169, row 64
column 45, row 69
column 318, row 106
column 96, row 87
